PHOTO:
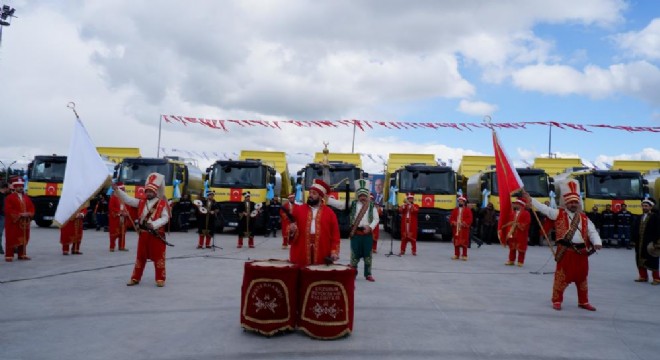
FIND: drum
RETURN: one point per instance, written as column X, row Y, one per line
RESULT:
column 326, row 297
column 268, row 296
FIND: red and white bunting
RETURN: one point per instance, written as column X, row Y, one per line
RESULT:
column 364, row 125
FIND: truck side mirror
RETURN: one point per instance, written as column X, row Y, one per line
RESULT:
column 552, row 187
column 484, row 185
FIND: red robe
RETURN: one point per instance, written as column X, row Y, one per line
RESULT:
column 285, row 221
column 17, row 228
column 409, row 221
column 325, row 241
column 461, row 236
column 149, row 246
column 520, row 234
column 72, row 231
column 116, row 229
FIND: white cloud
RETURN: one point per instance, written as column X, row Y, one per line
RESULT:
column 476, row 108
column 644, row 43
column 639, row 79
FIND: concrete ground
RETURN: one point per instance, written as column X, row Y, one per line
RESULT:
column 423, row 307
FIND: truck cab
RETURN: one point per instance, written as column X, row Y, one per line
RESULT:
column 45, row 179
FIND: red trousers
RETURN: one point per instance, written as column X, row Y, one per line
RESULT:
column 457, row 250
column 118, row 238
column 572, row 268
column 75, row 247
column 152, row 248
column 512, row 255
column 204, row 240
column 404, row 244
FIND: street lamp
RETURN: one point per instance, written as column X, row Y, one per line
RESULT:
column 6, row 169
column 6, row 14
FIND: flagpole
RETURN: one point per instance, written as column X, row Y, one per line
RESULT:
column 353, row 143
column 549, row 140
column 160, row 125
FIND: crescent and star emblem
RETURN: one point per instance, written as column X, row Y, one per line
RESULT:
column 51, row 189
column 235, row 193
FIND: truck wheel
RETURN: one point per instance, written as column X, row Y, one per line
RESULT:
column 44, row 223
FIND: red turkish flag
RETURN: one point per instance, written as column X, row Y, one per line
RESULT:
column 139, row 192
column 51, row 189
column 236, row 195
column 334, row 195
column 428, row 201
column 508, row 182
column 616, row 205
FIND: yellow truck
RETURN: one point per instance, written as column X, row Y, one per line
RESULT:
column 606, row 187
column 339, row 170
column 556, row 166
column 480, row 174
column 276, row 160
column 643, row 166
column 433, row 186
column 253, row 172
column 133, row 172
column 45, row 178
column 652, row 178
column 117, row 154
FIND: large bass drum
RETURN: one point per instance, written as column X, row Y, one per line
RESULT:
column 326, row 296
column 268, row 296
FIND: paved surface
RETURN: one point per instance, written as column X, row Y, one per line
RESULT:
column 428, row 306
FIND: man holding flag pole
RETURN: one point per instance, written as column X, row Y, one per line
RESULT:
column 577, row 237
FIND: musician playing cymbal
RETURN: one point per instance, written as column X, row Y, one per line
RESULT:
column 246, row 217
column 207, row 212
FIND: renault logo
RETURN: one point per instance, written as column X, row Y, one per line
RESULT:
column 428, row 217
column 50, row 205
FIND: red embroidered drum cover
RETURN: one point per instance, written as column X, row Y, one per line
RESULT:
column 268, row 296
column 326, row 297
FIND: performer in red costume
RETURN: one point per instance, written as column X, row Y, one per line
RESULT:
column 315, row 232
column 577, row 238
column 19, row 212
column 287, row 207
column 517, row 232
column 409, row 211
column 118, row 221
column 71, row 234
column 153, row 215
column 461, row 221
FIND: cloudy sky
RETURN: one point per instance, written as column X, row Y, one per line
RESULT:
column 124, row 63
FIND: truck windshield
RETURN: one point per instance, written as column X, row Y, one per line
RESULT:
column 338, row 177
column 253, row 177
column 535, row 184
column 48, row 170
column 442, row 183
column 136, row 172
column 614, row 186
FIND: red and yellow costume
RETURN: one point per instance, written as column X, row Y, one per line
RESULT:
column 289, row 206
column 461, row 221
column 409, row 212
column 151, row 213
column 572, row 254
column 312, row 248
column 19, row 211
column 71, row 234
column 118, row 223
column 517, row 233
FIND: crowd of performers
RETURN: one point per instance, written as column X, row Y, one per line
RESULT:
column 310, row 230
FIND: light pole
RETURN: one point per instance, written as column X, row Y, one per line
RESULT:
column 6, row 13
column 6, row 169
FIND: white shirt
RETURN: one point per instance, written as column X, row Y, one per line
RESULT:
column 552, row 214
column 134, row 202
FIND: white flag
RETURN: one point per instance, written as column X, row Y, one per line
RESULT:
column 84, row 175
